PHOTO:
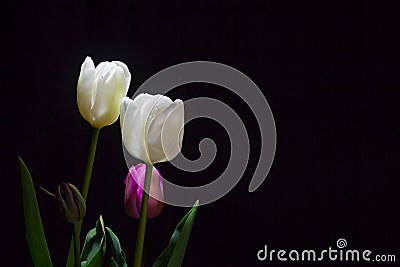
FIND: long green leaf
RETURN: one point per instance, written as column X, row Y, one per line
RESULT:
column 174, row 253
column 33, row 223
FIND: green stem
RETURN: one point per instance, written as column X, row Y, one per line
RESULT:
column 89, row 169
column 85, row 186
column 143, row 218
column 90, row 161
column 77, row 246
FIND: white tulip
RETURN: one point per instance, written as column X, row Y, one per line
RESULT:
column 100, row 91
column 152, row 127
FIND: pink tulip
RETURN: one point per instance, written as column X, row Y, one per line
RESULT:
column 134, row 192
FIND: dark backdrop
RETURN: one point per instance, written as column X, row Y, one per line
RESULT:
column 328, row 70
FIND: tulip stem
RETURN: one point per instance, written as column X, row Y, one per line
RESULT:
column 143, row 218
column 77, row 246
column 85, row 189
column 90, row 161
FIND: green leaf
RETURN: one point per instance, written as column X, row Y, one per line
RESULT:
column 33, row 223
column 118, row 254
column 113, row 263
column 95, row 246
column 174, row 253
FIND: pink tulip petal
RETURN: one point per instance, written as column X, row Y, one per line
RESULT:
column 134, row 183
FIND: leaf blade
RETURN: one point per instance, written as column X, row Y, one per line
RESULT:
column 33, row 223
column 174, row 253
column 119, row 257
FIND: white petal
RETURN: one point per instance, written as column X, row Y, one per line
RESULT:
column 154, row 149
column 127, row 74
column 124, row 105
column 169, row 125
column 133, row 130
column 86, row 88
column 150, row 105
column 110, row 90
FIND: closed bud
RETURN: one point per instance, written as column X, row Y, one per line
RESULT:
column 70, row 202
column 134, row 184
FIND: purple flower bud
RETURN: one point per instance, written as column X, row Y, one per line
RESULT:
column 134, row 192
column 70, row 202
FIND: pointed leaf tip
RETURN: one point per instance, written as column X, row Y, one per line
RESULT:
column 174, row 253
column 33, row 223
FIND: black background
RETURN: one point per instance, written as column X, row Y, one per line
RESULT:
column 328, row 70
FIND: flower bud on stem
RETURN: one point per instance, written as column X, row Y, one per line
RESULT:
column 85, row 188
column 70, row 203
